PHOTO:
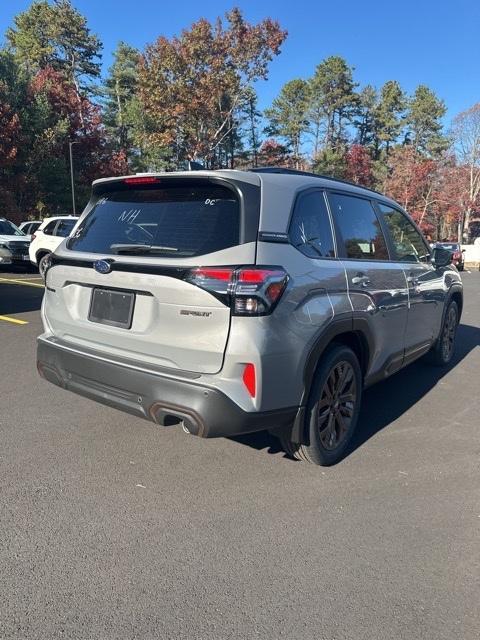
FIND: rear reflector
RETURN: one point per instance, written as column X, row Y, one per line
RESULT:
column 141, row 180
column 249, row 379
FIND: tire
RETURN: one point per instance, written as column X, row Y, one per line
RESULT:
column 42, row 263
column 329, row 422
column 442, row 352
column 461, row 267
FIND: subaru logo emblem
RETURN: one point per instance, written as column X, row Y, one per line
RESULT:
column 102, row 266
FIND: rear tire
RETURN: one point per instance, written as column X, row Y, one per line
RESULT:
column 332, row 409
column 442, row 352
column 42, row 264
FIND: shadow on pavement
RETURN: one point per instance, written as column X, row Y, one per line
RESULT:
column 382, row 404
column 17, row 298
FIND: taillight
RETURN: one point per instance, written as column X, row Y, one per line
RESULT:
column 34, row 235
column 250, row 291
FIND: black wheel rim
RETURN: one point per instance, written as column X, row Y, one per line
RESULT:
column 336, row 407
column 448, row 337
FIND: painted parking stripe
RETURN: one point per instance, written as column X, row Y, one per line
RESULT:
column 13, row 320
column 24, row 282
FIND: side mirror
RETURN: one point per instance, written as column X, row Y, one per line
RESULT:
column 441, row 257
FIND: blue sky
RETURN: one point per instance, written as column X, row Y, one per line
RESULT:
column 424, row 41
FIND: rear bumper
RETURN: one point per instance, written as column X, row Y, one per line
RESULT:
column 165, row 400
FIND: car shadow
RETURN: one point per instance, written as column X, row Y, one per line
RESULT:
column 382, row 404
column 17, row 298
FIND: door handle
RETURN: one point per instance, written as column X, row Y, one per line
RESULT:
column 361, row 279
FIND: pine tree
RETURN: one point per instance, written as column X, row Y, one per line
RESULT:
column 389, row 117
column 120, row 89
column 288, row 114
column 425, row 111
column 333, row 101
column 56, row 35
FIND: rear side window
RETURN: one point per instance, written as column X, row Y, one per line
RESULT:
column 64, row 227
column 49, row 229
column 173, row 221
column 359, row 227
column 408, row 244
column 310, row 231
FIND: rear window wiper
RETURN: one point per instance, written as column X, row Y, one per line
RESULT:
column 139, row 249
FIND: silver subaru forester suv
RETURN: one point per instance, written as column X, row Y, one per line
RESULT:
column 234, row 301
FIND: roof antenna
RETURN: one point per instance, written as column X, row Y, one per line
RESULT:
column 195, row 166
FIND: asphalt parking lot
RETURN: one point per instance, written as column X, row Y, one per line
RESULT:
column 113, row 528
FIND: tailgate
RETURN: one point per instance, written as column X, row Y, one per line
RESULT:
column 119, row 286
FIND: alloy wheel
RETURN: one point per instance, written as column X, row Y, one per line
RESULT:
column 337, row 405
column 449, row 330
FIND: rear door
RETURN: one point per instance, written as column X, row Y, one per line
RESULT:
column 48, row 240
column 377, row 285
column 142, row 275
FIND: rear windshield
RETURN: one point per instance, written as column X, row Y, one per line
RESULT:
column 173, row 221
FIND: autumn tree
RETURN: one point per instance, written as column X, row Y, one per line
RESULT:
column 359, row 166
column 274, row 154
column 288, row 115
column 414, row 182
column 466, row 136
column 191, row 86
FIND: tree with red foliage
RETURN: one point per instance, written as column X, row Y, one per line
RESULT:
column 274, row 154
column 62, row 116
column 358, row 165
column 9, row 134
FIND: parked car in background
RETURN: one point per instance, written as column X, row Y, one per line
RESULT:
column 457, row 253
column 47, row 237
column 13, row 244
column 234, row 301
column 29, row 226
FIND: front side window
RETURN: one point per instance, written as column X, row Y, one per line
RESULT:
column 408, row 244
column 175, row 221
column 359, row 228
column 310, row 231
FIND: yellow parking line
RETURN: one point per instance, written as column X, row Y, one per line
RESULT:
column 31, row 278
column 13, row 320
column 24, row 282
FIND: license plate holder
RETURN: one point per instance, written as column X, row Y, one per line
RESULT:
column 112, row 307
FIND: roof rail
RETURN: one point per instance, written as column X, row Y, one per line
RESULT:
column 298, row 172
